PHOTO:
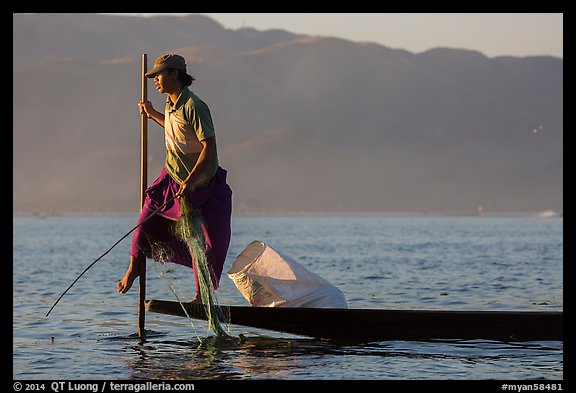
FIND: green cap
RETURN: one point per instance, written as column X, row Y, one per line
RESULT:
column 169, row 60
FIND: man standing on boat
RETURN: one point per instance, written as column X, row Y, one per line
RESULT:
column 191, row 169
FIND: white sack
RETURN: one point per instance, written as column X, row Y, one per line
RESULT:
column 267, row 278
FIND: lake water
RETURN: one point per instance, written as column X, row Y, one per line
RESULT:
column 378, row 261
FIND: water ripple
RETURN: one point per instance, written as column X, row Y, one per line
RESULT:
column 455, row 263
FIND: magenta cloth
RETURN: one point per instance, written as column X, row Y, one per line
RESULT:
column 215, row 204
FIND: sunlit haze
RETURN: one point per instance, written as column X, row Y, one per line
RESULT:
column 494, row 34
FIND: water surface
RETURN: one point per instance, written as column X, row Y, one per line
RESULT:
column 378, row 261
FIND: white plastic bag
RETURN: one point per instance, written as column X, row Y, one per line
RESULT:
column 268, row 279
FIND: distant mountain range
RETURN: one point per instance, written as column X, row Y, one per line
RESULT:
column 302, row 122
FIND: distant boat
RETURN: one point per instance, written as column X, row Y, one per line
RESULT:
column 546, row 214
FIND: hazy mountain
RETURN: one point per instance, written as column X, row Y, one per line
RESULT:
column 302, row 123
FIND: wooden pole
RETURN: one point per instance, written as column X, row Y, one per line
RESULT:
column 143, row 183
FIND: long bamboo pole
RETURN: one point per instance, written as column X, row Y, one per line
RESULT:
column 143, row 184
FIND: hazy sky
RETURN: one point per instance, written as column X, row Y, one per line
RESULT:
column 517, row 34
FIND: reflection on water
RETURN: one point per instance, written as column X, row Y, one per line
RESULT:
column 213, row 358
column 270, row 358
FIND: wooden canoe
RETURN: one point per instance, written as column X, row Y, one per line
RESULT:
column 380, row 325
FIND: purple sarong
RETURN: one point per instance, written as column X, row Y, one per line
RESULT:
column 215, row 204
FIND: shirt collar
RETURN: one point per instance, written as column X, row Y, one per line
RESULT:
column 179, row 102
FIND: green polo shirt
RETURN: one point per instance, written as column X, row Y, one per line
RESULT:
column 186, row 123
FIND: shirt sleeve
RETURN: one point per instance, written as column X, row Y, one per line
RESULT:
column 201, row 120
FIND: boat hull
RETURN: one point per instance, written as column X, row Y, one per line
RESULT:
column 381, row 325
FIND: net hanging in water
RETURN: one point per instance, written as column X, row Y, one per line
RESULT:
column 189, row 228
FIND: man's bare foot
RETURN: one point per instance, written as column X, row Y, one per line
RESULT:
column 133, row 271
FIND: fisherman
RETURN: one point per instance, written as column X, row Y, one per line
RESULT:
column 191, row 170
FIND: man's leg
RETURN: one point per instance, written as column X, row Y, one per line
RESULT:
column 156, row 229
column 133, row 271
column 216, row 214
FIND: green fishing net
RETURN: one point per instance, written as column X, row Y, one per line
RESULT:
column 189, row 229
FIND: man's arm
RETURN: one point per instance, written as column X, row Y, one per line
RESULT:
column 147, row 109
column 206, row 156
